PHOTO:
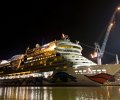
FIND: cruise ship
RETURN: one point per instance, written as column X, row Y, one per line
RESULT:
column 57, row 63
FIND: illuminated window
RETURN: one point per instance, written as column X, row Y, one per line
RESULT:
column 80, row 71
column 84, row 71
column 76, row 71
column 41, row 62
column 98, row 70
column 94, row 70
column 31, row 64
column 104, row 70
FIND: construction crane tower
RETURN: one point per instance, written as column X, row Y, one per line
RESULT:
column 100, row 51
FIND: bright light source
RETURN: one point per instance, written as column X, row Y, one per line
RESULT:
column 111, row 24
column 94, row 55
column 118, row 8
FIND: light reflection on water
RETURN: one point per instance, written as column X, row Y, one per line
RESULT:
column 60, row 93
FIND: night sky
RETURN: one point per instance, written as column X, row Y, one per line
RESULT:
column 24, row 24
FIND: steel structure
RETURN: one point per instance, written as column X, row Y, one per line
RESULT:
column 100, row 51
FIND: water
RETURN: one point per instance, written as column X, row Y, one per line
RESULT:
column 60, row 93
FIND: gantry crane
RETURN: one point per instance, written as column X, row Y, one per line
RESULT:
column 100, row 51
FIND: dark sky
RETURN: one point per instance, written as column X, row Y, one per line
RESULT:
column 24, row 24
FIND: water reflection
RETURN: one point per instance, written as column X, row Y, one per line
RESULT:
column 60, row 93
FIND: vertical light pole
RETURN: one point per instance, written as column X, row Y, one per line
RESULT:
column 117, row 61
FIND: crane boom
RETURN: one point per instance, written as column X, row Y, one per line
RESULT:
column 102, row 50
column 106, row 36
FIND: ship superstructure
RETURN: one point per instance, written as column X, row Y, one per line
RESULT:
column 73, row 53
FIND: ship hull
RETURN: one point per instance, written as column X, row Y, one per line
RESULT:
column 65, row 75
column 60, row 77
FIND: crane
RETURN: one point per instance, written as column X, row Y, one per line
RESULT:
column 100, row 51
